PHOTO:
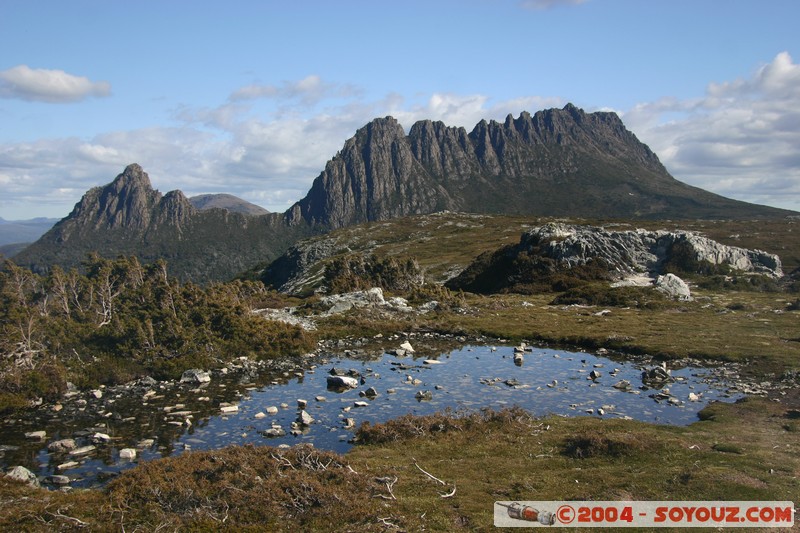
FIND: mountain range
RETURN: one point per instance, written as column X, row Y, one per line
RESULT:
column 557, row 162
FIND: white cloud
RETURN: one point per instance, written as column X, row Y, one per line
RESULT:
column 52, row 86
column 309, row 91
column 740, row 139
column 269, row 159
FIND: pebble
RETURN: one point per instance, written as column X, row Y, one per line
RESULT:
column 57, row 479
column 127, row 453
column 83, row 450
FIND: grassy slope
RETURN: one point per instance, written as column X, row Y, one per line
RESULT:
column 485, row 457
column 744, row 451
column 443, row 241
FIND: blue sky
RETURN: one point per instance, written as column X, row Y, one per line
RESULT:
column 252, row 98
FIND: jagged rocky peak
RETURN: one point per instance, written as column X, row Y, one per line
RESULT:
column 554, row 162
column 129, row 203
column 126, row 202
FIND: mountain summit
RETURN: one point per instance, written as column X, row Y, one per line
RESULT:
column 129, row 217
column 557, row 162
column 128, row 203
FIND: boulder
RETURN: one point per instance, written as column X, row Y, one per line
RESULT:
column 20, row 473
column 274, row 432
column 424, row 395
column 656, row 376
column 127, row 454
column 83, row 450
column 57, row 479
column 674, row 287
column 623, row 385
column 99, row 438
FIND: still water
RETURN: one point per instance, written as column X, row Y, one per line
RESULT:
column 169, row 419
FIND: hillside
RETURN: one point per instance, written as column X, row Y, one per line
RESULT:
column 444, row 244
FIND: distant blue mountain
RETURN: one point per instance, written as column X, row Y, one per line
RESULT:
column 24, row 231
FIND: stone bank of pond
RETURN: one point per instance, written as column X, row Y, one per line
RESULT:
column 294, row 405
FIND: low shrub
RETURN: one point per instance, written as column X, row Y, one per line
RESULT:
column 591, row 444
column 605, row 295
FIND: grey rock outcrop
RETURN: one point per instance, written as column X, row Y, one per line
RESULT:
column 623, row 257
column 629, row 252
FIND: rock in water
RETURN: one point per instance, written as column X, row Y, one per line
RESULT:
column 304, row 418
column 342, row 382
column 424, row 395
column 60, row 446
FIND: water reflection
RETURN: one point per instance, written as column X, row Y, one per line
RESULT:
column 263, row 409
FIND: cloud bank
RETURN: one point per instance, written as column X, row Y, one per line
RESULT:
column 51, row 86
column 739, row 139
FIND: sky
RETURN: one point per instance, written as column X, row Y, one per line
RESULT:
column 253, row 97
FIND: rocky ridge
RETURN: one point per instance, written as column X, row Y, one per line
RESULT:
column 553, row 163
